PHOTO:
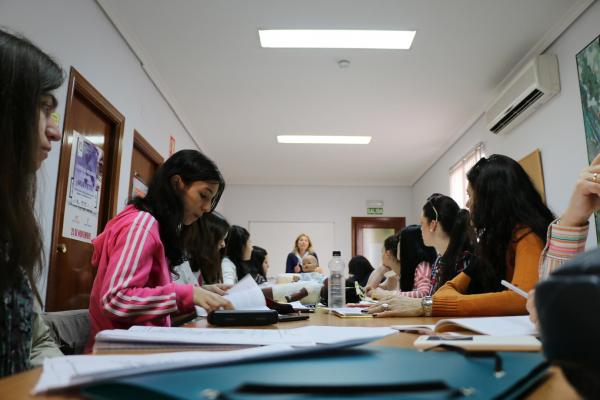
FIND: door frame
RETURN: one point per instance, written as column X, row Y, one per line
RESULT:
column 359, row 223
column 78, row 84
column 144, row 147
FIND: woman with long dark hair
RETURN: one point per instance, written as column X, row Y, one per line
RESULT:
column 413, row 261
column 138, row 249
column 359, row 269
column 412, row 253
column 27, row 78
column 510, row 221
column 206, row 248
column 444, row 230
column 238, row 251
column 259, row 264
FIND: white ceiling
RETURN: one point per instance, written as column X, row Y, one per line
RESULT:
column 235, row 97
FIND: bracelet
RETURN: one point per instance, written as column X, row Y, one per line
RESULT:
column 427, row 305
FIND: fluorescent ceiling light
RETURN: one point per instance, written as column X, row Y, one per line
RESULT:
column 323, row 139
column 336, row 39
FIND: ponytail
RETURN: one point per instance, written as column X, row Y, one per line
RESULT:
column 460, row 242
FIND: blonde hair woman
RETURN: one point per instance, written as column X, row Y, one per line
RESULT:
column 302, row 247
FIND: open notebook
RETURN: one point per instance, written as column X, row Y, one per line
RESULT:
column 493, row 326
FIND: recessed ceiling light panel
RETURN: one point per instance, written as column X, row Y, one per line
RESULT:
column 323, row 139
column 336, row 39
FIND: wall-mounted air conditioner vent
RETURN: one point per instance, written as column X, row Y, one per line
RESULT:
column 534, row 85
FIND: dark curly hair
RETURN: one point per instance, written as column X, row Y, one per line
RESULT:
column 504, row 200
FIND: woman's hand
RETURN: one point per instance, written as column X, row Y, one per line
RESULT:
column 397, row 306
column 390, row 283
column 210, row 301
column 380, row 294
column 218, row 288
column 375, row 278
column 585, row 198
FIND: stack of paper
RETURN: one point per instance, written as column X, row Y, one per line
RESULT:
column 304, row 336
column 68, row 371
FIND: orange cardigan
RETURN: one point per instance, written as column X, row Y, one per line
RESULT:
column 450, row 300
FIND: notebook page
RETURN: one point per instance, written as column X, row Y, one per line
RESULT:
column 493, row 326
column 160, row 334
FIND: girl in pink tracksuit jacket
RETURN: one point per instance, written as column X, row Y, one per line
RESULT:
column 137, row 249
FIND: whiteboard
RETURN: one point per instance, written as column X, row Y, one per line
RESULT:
column 277, row 237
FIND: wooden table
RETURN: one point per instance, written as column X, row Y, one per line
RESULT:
column 555, row 387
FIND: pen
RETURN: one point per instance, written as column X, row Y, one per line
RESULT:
column 514, row 288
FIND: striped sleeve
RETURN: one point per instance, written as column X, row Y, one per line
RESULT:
column 422, row 284
column 562, row 243
column 126, row 292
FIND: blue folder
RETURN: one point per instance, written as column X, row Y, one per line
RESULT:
column 361, row 373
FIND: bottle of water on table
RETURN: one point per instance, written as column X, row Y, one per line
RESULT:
column 336, row 296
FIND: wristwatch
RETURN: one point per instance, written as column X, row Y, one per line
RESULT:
column 427, row 304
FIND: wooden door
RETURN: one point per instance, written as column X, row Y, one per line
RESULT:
column 90, row 120
column 144, row 162
column 376, row 229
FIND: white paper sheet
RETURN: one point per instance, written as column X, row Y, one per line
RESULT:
column 296, row 305
column 244, row 295
column 350, row 312
column 160, row 334
column 337, row 334
column 63, row 372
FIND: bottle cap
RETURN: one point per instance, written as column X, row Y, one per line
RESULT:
column 337, row 253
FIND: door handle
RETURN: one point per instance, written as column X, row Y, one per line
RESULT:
column 61, row 248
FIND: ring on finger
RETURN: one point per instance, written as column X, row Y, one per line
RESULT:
column 595, row 177
column 385, row 306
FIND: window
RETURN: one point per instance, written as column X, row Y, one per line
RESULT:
column 458, row 174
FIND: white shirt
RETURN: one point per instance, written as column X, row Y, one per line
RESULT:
column 186, row 275
column 229, row 272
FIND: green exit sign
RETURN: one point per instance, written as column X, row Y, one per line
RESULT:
column 375, row 210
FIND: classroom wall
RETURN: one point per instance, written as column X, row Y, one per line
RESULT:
column 556, row 129
column 338, row 204
column 77, row 33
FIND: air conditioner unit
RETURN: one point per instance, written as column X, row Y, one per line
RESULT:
column 534, row 85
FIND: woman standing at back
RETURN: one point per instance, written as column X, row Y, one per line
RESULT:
column 302, row 247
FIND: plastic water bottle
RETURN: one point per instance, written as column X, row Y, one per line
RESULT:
column 336, row 296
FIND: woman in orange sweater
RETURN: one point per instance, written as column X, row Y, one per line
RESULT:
column 510, row 221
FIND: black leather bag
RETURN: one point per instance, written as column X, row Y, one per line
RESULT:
column 568, row 305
